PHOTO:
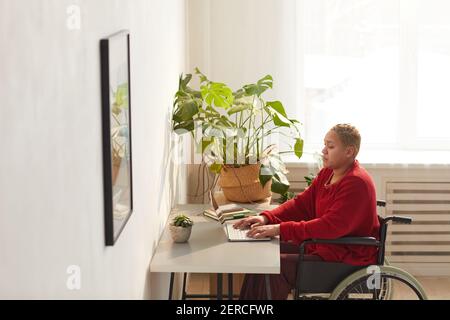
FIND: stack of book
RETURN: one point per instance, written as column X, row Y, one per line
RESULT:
column 229, row 212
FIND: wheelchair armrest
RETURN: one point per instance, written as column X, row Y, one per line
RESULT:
column 362, row 241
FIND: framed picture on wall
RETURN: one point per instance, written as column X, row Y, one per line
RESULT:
column 116, row 127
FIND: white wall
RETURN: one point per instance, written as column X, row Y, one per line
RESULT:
column 51, row 191
column 238, row 42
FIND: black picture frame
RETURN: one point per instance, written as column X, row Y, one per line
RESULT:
column 116, row 133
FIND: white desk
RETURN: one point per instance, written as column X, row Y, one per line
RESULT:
column 209, row 251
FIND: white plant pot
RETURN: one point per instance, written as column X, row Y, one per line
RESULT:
column 180, row 234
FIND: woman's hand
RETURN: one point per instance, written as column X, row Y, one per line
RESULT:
column 251, row 222
column 269, row 231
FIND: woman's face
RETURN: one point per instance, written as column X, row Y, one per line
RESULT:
column 335, row 155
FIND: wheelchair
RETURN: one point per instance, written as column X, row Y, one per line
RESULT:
column 318, row 280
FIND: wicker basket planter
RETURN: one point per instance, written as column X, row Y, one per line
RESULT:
column 116, row 162
column 242, row 184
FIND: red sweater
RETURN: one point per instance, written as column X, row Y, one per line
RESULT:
column 323, row 211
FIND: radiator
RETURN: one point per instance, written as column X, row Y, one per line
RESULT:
column 422, row 248
column 298, row 186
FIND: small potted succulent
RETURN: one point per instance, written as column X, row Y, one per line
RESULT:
column 180, row 228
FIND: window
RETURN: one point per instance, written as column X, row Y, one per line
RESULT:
column 382, row 65
column 433, row 63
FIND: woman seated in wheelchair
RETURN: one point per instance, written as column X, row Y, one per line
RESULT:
column 340, row 202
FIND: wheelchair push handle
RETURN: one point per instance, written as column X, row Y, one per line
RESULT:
column 396, row 219
column 399, row 219
column 381, row 203
column 403, row 220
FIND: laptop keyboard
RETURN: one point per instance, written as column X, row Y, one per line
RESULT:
column 240, row 234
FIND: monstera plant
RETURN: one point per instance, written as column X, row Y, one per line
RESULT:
column 119, row 127
column 235, row 129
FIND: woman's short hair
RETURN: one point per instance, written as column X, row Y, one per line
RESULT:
column 348, row 135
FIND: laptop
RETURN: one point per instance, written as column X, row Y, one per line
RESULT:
column 239, row 235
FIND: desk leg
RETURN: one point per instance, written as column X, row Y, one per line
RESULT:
column 268, row 291
column 219, row 286
column 172, row 277
column 230, row 286
column 184, row 287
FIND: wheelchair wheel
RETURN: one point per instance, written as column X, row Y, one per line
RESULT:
column 377, row 283
column 387, row 291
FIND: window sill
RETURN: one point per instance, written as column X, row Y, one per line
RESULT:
column 383, row 159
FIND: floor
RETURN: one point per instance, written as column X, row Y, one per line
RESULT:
column 437, row 288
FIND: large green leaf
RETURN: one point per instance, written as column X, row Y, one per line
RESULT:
column 176, row 119
column 282, row 178
column 216, row 168
column 277, row 120
column 267, row 81
column 278, row 107
column 276, row 164
column 217, row 94
column 186, row 110
column 239, row 108
column 278, row 113
column 202, row 77
column 206, row 142
column 185, row 81
column 260, row 87
column 298, row 148
column 280, row 184
column 274, row 168
column 194, row 94
column 239, row 94
column 251, row 89
column 181, row 95
column 184, row 89
column 265, row 174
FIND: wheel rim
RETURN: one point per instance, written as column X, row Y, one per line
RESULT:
column 358, row 290
column 389, row 273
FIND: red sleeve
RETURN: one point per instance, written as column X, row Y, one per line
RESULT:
column 348, row 212
column 298, row 209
